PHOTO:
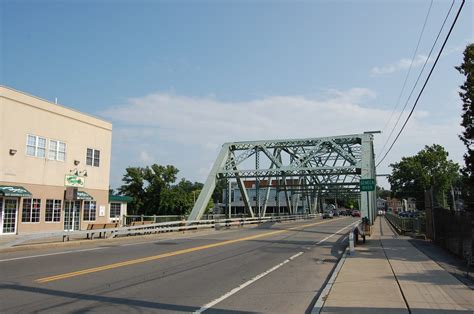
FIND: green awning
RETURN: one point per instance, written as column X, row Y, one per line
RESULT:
column 17, row 191
column 83, row 196
column 120, row 198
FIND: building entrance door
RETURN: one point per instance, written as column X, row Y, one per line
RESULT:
column 8, row 215
column 71, row 215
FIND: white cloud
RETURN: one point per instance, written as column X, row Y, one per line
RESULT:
column 188, row 132
column 145, row 157
column 402, row 64
column 418, row 61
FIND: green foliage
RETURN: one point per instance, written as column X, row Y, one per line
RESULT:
column 134, row 187
column 429, row 168
column 467, row 136
column 382, row 193
column 154, row 190
column 217, row 196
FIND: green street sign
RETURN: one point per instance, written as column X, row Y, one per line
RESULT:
column 367, row 185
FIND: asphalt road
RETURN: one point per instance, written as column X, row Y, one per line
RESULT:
column 277, row 268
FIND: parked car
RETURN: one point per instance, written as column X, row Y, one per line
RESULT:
column 355, row 213
column 328, row 214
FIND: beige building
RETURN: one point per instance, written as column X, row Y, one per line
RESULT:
column 46, row 149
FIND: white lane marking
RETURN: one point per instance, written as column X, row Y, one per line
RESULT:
column 332, row 235
column 49, row 254
column 242, row 286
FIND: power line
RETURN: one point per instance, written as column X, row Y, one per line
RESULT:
column 418, row 78
column 426, row 82
column 406, row 77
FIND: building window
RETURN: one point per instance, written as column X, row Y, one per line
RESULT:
column 31, row 210
column 93, row 157
column 35, row 146
column 89, row 211
column 115, row 210
column 53, row 210
column 57, row 150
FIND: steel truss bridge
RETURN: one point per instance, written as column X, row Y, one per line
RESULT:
column 311, row 169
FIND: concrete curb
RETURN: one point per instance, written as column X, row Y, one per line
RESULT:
column 318, row 306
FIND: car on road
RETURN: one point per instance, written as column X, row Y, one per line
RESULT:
column 355, row 213
column 328, row 214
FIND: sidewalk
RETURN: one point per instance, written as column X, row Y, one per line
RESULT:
column 389, row 275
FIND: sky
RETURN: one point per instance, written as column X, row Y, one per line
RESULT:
column 179, row 78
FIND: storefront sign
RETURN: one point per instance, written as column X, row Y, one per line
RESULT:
column 18, row 191
column 74, row 181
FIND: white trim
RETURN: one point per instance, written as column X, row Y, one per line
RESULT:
column 57, row 151
column 37, row 137
column 31, row 210
column 16, row 214
column 93, row 158
column 46, row 210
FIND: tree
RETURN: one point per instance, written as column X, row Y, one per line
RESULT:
column 159, row 179
column 146, row 185
column 429, row 168
column 134, row 187
column 218, row 194
column 467, row 136
column 382, row 193
column 154, row 191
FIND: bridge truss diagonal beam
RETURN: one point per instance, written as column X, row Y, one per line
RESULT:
column 315, row 167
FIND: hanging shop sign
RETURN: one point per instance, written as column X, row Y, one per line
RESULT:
column 74, row 181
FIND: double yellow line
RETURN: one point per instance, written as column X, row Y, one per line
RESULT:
column 169, row 254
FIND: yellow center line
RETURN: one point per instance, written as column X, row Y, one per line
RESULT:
column 169, row 254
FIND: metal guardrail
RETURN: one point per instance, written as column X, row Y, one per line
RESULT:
column 127, row 220
column 181, row 225
column 407, row 224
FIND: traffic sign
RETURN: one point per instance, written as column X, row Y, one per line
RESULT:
column 367, row 185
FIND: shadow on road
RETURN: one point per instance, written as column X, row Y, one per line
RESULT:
column 106, row 299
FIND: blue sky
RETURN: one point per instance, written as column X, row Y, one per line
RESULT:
column 178, row 78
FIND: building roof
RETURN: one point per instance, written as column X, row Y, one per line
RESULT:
column 42, row 104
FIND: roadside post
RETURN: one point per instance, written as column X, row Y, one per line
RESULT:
column 351, row 242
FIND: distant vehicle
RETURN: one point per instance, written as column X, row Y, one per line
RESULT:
column 410, row 214
column 355, row 213
column 381, row 212
column 336, row 213
column 328, row 214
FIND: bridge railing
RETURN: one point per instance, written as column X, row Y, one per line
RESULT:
column 407, row 224
column 128, row 220
column 160, row 227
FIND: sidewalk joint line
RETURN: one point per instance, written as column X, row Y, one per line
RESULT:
column 393, row 271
